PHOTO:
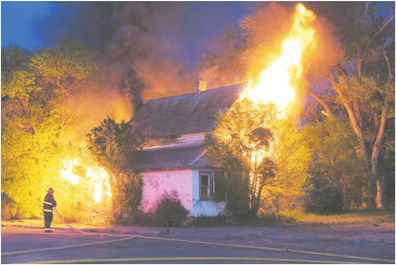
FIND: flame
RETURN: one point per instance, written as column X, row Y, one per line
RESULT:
column 67, row 171
column 277, row 83
column 98, row 177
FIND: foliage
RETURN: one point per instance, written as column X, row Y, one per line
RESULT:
column 170, row 211
column 336, row 161
column 116, row 149
column 14, row 58
column 31, row 125
column 266, row 159
column 323, row 196
column 363, row 84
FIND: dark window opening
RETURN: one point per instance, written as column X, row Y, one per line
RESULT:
column 211, row 186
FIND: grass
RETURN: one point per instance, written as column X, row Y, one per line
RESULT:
column 347, row 218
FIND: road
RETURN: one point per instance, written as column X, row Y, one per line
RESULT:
column 234, row 245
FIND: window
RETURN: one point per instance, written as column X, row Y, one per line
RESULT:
column 205, row 187
column 210, row 186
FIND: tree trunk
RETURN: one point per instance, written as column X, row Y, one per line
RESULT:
column 375, row 152
column 355, row 125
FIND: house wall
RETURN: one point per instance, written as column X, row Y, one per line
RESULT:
column 185, row 183
column 159, row 183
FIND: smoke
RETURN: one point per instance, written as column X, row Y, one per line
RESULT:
column 137, row 54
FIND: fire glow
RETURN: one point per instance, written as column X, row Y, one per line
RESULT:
column 97, row 176
column 277, row 83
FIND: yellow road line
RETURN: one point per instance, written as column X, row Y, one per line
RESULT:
column 119, row 260
column 60, row 248
column 270, row 249
column 207, row 243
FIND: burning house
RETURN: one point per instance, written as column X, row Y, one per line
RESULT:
column 174, row 160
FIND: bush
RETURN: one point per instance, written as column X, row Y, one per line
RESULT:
column 323, row 197
column 170, row 211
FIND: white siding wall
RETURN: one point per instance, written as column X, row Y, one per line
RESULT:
column 185, row 183
column 157, row 183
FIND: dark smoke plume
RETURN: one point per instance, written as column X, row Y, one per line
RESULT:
column 136, row 51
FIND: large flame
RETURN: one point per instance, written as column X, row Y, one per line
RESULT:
column 277, row 83
column 98, row 177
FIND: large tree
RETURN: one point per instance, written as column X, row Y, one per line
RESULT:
column 116, row 149
column 61, row 70
column 363, row 82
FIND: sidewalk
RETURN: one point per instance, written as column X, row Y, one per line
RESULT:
column 290, row 233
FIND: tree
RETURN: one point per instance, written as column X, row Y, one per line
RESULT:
column 61, row 70
column 335, row 165
column 14, row 58
column 116, row 149
column 363, row 83
column 264, row 157
column 28, row 143
column 31, row 109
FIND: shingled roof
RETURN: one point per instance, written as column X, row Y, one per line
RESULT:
column 174, row 158
column 184, row 114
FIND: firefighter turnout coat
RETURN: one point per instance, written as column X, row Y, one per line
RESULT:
column 49, row 203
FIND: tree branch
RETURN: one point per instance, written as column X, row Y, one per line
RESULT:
column 386, row 23
column 328, row 112
column 388, row 64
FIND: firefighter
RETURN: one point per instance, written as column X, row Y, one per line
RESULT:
column 48, row 207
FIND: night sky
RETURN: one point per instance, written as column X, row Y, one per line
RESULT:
column 23, row 23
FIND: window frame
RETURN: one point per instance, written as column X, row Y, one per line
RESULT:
column 210, row 187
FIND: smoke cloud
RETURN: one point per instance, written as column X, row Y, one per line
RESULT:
column 136, row 57
column 144, row 47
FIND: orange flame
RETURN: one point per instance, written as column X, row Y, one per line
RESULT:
column 277, row 83
column 97, row 176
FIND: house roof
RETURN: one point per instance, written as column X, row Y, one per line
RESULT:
column 184, row 114
column 173, row 158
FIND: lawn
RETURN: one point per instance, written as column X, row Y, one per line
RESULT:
column 355, row 218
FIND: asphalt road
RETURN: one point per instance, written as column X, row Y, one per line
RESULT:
column 182, row 246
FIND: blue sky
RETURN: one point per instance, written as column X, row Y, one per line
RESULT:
column 20, row 21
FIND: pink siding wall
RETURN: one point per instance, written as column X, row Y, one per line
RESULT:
column 158, row 183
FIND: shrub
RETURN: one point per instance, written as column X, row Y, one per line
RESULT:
column 170, row 211
column 323, row 197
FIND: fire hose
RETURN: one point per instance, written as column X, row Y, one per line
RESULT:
column 87, row 233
